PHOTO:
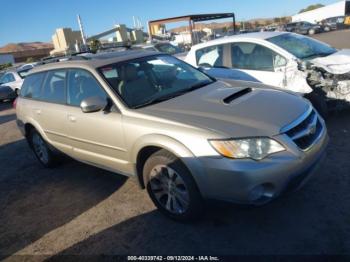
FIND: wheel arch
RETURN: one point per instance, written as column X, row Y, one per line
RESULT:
column 148, row 145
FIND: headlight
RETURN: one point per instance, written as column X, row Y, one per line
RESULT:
column 255, row 148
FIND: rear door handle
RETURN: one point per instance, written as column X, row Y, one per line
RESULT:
column 37, row 111
column 72, row 118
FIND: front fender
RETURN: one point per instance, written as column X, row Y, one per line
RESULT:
column 175, row 147
column 162, row 141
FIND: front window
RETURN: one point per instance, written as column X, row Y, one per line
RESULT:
column 24, row 73
column 301, row 46
column 152, row 79
column 211, row 56
column 81, row 85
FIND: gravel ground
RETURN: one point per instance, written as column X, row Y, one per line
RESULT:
column 78, row 209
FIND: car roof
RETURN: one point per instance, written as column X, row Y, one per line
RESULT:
column 93, row 61
column 234, row 38
column 145, row 45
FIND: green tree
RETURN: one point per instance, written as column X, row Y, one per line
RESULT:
column 4, row 66
column 311, row 7
column 94, row 45
column 30, row 60
column 277, row 20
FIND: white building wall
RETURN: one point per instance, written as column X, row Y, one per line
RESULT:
column 314, row 16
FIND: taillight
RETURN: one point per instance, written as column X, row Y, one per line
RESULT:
column 15, row 103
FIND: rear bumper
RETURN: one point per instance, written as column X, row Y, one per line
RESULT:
column 6, row 93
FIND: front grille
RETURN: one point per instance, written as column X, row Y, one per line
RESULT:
column 307, row 131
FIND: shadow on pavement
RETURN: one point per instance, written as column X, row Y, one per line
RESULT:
column 35, row 200
column 284, row 227
column 5, row 105
column 7, row 118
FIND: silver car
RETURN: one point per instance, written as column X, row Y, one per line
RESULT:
column 183, row 135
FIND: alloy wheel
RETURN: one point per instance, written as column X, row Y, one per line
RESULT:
column 169, row 189
column 40, row 148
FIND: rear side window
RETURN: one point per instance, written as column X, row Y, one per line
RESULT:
column 7, row 78
column 54, row 87
column 31, row 87
column 81, row 85
column 210, row 57
column 252, row 56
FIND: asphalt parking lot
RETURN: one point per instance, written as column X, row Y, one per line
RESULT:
column 338, row 39
column 78, row 209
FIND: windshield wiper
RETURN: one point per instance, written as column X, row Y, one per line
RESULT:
column 172, row 95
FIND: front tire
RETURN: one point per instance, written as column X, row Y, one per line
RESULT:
column 171, row 187
column 41, row 149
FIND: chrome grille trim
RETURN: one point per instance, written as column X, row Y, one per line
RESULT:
column 297, row 121
column 306, row 130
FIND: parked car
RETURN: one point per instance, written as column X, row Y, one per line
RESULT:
column 333, row 23
column 163, row 47
column 286, row 60
column 304, row 28
column 11, row 82
column 183, row 135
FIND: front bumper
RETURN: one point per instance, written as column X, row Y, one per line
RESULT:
column 258, row 182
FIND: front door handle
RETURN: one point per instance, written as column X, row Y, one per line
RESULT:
column 72, row 118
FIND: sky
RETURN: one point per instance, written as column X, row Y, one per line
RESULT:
column 36, row 20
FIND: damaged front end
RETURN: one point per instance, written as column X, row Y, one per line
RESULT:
column 333, row 85
column 335, row 88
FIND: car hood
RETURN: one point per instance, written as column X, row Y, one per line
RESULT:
column 252, row 111
column 337, row 63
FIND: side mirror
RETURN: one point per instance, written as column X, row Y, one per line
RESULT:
column 93, row 104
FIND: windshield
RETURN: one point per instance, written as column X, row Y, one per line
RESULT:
column 152, row 79
column 168, row 48
column 23, row 73
column 301, row 46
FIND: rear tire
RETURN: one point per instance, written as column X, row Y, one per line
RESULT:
column 41, row 149
column 171, row 187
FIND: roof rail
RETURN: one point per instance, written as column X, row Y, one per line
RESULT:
column 70, row 57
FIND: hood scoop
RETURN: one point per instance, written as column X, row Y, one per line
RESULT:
column 236, row 95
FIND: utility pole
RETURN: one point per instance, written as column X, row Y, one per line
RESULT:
column 82, row 31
